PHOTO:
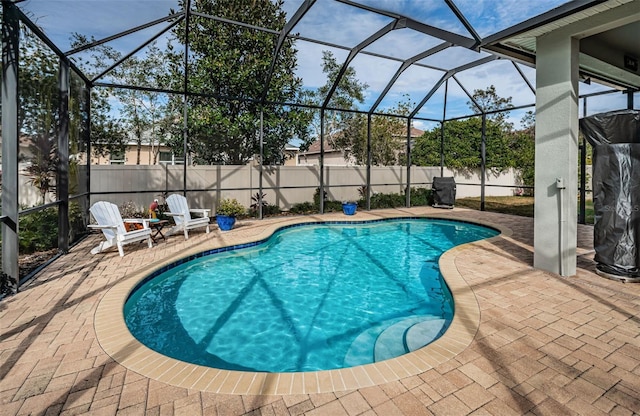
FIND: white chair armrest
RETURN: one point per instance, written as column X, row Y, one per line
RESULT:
column 174, row 214
column 203, row 211
column 102, row 227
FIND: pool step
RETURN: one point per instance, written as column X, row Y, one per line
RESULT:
column 406, row 336
column 392, row 338
column 424, row 333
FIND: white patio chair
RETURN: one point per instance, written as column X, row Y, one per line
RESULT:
column 110, row 221
column 182, row 215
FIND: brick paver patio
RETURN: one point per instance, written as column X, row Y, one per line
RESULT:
column 546, row 345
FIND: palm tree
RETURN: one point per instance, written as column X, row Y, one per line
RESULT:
column 44, row 164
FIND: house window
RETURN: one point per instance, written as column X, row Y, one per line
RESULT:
column 116, row 157
column 168, row 158
column 165, row 158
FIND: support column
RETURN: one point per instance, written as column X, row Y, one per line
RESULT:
column 260, row 166
column 407, row 193
column 86, row 139
column 321, row 163
column 442, row 149
column 368, row 184
column 185, row 108
column 555, row 229
column 62, row 180
column 483, row 161
column 10, row 209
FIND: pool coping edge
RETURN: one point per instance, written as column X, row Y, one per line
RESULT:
column 115, row 339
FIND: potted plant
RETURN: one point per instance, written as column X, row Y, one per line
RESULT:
column 226, row 213
column 349, row 207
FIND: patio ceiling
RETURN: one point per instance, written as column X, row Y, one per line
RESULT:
column 415, row 48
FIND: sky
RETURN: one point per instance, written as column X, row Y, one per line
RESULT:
column 333, row 22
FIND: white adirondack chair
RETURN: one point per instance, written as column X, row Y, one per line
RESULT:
column 112, row 225
column 182, row 215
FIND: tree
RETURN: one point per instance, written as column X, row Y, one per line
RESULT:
column 339, row 126
column 388, row 137
column 463, row 138
column 38, row 111
column 38, row 80
column 232, row 64
column 43, row 163
column 523, row 145
column 462, row 141
column 107, row 132
column 489, row 100
column 144, row 111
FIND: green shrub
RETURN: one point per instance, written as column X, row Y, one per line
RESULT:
column 381, row 201
column 76, row 223
column 267, row 210
column 303, row 208
column 230, row 207
column 38, row 231
column 420, row 197
column 332, row 206
column 270, row 210
column 316, row 197
column 8, row 286
column 258, row 199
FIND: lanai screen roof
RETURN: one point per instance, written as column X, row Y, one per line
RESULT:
column 418, row 49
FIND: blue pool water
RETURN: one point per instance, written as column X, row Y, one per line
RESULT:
column 311, row 297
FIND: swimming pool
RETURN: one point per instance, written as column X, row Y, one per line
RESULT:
column 377, row 294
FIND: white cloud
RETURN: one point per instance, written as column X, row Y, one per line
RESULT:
column 403, row 44
column 501, row 74
column 98, row 18
column 335, row 22
column 491, row 16
column 310, row 62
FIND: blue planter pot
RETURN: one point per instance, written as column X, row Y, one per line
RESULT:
column 225, row 222
column 349, row 208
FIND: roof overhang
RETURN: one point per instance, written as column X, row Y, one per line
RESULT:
column 609, row 35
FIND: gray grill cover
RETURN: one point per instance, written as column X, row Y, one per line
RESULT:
column 444, row 192
column 615, row 137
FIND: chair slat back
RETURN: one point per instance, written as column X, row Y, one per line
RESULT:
column 107, row 213
column 178, row 204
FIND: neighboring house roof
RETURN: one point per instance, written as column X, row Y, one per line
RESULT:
column 314, row 148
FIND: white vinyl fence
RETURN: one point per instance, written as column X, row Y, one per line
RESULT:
column 282, row 185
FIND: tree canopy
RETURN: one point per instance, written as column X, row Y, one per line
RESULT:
column 39, row 113
column 228, row 65
column 505, row 147
column 462, row 141
column 388, row 138
column 348, row 130
column 107, row 131
column 346, row 95
column 145, row 112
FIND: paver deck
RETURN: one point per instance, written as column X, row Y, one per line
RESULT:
column 545, row 344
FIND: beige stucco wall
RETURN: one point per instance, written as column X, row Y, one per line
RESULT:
column 131, row 156
column 332, row 158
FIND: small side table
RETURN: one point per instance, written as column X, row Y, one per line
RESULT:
column 157, row 227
